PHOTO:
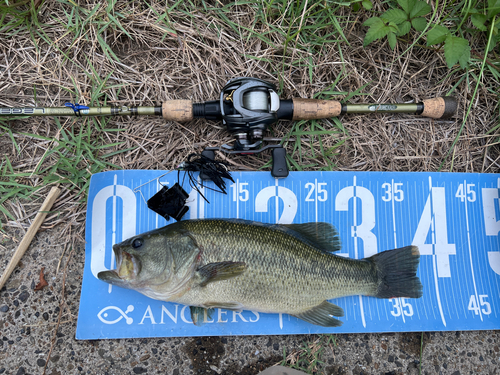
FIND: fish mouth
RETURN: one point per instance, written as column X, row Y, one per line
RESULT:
column 127, row 268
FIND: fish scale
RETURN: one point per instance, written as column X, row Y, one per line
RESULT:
column 239, row 264
column 282, row 272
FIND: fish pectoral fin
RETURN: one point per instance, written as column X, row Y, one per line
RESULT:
column 220, row 271
column 235, row 306
column 321, row 315
column 199, row 315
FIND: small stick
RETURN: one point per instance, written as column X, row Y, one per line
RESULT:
column 28, row 237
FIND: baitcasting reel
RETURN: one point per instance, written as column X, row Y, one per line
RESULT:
column 247, row 106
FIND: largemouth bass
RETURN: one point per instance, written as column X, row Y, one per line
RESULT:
column 246, row 265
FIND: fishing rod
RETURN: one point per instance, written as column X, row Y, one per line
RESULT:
column 247, row 107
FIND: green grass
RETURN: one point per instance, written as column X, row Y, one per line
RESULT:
column 308, row 357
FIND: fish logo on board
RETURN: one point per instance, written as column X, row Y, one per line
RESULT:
column 104, row 314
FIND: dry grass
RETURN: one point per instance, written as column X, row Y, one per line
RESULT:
column 101, row 53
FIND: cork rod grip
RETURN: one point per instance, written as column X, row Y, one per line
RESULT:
column 177, row 110
column 441, row 107
column 311, row 109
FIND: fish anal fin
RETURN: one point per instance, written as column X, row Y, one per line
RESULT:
column 235, row 306
column 220, row 271
column 321, row 315
column 199, row 315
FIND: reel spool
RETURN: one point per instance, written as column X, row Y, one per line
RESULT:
column 248, row 107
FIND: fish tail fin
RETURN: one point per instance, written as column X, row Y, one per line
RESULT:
column 397, row 273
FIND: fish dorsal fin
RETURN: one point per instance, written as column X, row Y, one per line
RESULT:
column 321, row 315
column 219, row 271
column 322, row 236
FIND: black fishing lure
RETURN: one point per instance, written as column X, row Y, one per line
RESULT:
column 210, row 170
column 171, row 202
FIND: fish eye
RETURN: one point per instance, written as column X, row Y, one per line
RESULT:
column 138, row 242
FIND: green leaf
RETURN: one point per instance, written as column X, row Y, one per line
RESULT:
column 371, row 21
column 367, row 4
column 377, row 30
column 394, row 15
column 392, row 40
column 404, row 28
column 419, row 23
column 456, row 50
column 421, row 8
column 493, row 8
column 478, row 21
column 407, row 5
column 494, row 42
column 437, row 35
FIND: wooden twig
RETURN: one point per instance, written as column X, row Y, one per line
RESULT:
column 28, row 237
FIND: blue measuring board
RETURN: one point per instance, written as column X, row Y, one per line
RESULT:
column 453, row 218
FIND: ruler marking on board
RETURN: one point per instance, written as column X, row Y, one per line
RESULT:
column 462, row 287
column 253, row 191
column 415, row 190
column 465, row 280
column 498, row 240
column 157, row 216
column 430, row 273
column 467, row 286
column 378, row 195
column 201, row 203
column 434, row 256
column 356, row 254
column 445, row 296
column 408, row 240
column 393, row 204
column 236, row 198
column 276, row 200
column 113, row 228
column 316, row 200
column 377, row 307
column 453, row 207
column 470, row 253
column 493, row 300
column 486, row 266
